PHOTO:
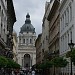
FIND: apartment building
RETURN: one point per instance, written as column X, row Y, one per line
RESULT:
column 38, row 46
column 67, row 31
column 3, row 26
column 45, row 33
column 6, row 13
column 54, row 23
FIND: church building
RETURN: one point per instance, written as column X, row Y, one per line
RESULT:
column 26, row 44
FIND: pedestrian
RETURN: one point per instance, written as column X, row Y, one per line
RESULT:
column 13, row 72
column 33, row 72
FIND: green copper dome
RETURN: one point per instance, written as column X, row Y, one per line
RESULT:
column 27, row 27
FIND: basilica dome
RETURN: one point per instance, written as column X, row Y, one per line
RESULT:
column 27, row 27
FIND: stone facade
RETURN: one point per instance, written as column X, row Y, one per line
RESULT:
column 6, row 8
column 26, row 44
column 54, row 23
column 3, row 25
column 45, row 32
column 11, row 19
column 38, row 49
column 67, row 31
column 15, row 46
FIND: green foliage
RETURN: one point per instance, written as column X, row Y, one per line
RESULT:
column 8, row 63
column 49, row 64
column 68, row 54
column 12, row 64
column 72, row 55
column 3, row 61
column 44, row 65
column 59, row 62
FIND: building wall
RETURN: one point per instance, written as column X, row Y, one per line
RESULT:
column 67, row 28
column 4, row 32
column 45, row 32
column 54, row 29
column 3, row 20
column 54, row 24
column 38, row 49
column 15, row 46
column 3, row 27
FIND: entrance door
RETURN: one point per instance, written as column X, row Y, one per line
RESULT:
column 27, row 61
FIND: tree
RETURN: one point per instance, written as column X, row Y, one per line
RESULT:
column 12, row 64
column 59, row 62
column 3, row 61
column 44, row 65
column 72, row 55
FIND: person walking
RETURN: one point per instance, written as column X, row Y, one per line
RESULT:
column 33, row 72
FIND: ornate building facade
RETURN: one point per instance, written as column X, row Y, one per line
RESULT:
column 26, row 44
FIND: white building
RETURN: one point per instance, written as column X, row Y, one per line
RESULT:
column 26, row 44
column 67, row 28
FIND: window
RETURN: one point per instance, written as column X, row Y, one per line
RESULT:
column 68, row 15
column 68, row 40
column 30, row 40
column 27, row 41
column 70, row 12
column 2, row 15
column 23, row 40
column 63, row 43
column 63, row 22
column 65, row 18
column 19, row 40
column 1, row 27
column 4, row 31
column 0, row 10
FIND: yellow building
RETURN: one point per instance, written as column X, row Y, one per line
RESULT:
column 14, row 46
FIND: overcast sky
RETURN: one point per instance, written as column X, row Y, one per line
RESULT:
column 36, row 10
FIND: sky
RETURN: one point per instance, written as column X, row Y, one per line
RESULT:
column 35, row 8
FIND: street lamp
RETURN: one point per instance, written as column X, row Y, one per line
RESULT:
column 71, row 45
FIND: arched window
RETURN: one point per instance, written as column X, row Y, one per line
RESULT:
column 30, row 40
column 26, row 41
column 23, row 40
